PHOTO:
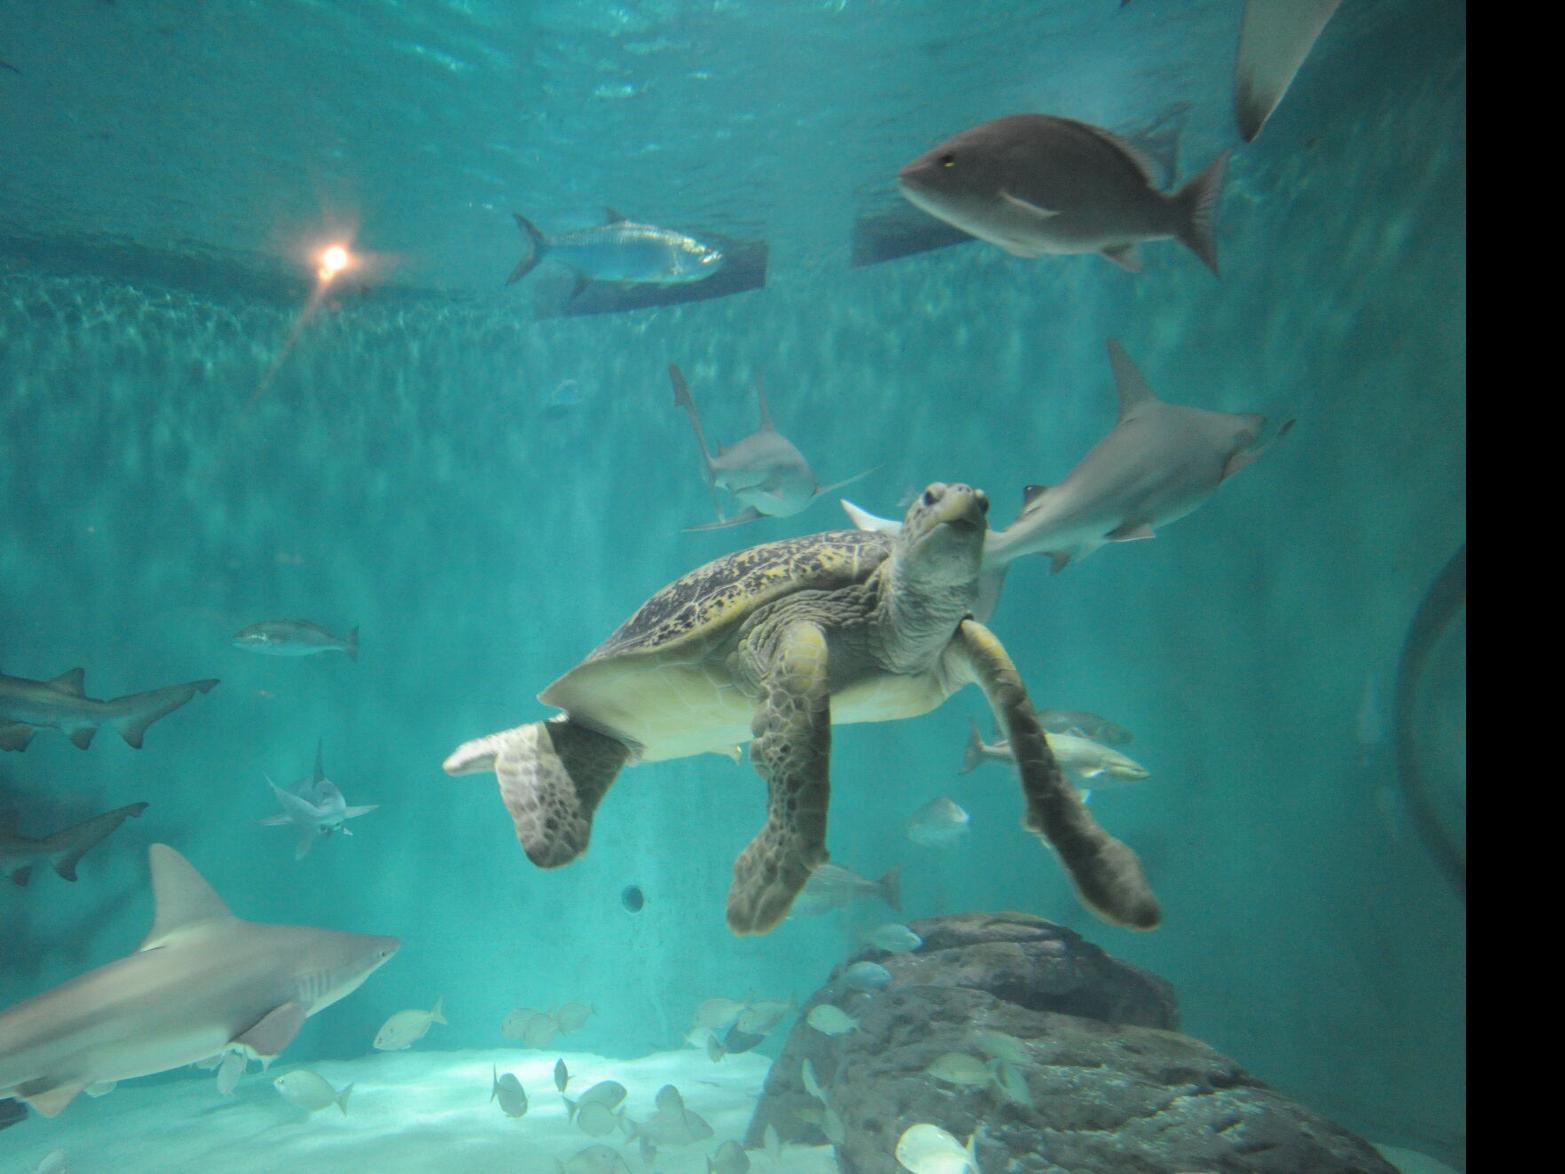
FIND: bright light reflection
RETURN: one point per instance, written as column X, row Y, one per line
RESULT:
column 333, row 261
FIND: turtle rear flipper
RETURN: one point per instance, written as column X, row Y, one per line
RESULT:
column 792, row 752
column 1106, row 873
column 552, row 776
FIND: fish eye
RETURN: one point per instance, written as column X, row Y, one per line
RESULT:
column 948, row 160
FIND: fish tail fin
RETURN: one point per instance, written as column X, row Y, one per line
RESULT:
column 342, row 1099
column 973, row 752
column 537, row 245
column 352, row 648
column 494, row 1082
column 891, row 888
column 437, row 1012
column 1196, row 207
column 139, row 710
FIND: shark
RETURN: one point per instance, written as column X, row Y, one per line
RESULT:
column 764, row 471
column 18, row 854
column 1274, row 40
column 315, row 806
column 62, row 703
column 1158, row 464
column 202, row 982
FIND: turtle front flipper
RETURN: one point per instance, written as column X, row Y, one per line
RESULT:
column 1106, row 873
column 552, row 776
column 792, row 752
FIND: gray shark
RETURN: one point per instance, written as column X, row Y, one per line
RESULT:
column 18, row 854
column 28, row 706
column 315, row 806
column 1274, row 40
column 1159, row 463
column 202, row 982
column 764, row 470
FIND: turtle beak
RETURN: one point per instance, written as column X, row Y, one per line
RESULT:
column 958, row 506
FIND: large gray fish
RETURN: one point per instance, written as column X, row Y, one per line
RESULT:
column 314, row 805
column 1035, row 184
column 1160, row 462
column 620, row 250
column 28, row 706
column 18, row 854
column 295, row 638
column 203, row 982
column 1274, row 40
column 831, row 886
column 764, row 471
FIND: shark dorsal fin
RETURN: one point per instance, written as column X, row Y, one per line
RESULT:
column 610, row 216
column 1031, row 493
column 73, row 683
column 1134, row 392
column 320, row 770
column 766, row 416
column 180, row 895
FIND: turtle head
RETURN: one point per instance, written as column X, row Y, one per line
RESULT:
column 942, row 539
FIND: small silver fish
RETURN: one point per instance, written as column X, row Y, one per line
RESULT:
column 229, row 1072
column 894, row 938
column 928, row 1149
column 406, row 1028
column 608, row 1093
column 959, row 1068
column 596, row 1119
column 1035, row 184
column 730, row 1158
column 831, row 886
column 508, row 1090
column 620, row 250
column 310, row 1091
column 866, row 976
column 831, row 1020
column 571, row 1017
column 759, row 1017
column 562, row 1075
column 295, row 638
column 1099, row 729
column 940, row 823
column 595, row 1159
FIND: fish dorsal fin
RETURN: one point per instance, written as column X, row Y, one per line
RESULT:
column 1134, row 391
column 320, row 771
column 766, row 416
column 1151, row 170
column 181, row 897
column 1031, row 493
column 610, row 216
column 72, row 684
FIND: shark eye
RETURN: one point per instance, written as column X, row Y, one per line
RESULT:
column 948, row 161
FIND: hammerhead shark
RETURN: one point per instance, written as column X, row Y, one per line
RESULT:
column 202, row 982
column 1159, row 463
column 315, row 806
column 18, row 854
column 764, row 470
column 28, row 706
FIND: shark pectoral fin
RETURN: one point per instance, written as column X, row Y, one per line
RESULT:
column 274, row 820
column 306, row 841
column 50, row 1100
column 1131, row 532
column 1246, row 457
column 749, row 514
column 1058, row 560
column 275, row 1031
column 1127, row 257
column 352, row 812
column 864, row 520
column 836, row 485
column 1027, row 206
column 734, row 754
column 15, row 735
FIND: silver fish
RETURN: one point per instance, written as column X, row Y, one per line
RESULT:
column 830, row 887
column 928, row 1149
column 595, row 1159
column 620, row 250
column 1035, row 184
column 28, row 706
column 1099, row 729
column 203, row 982
column 406, row 1028
column 730, row 1158
column 18, row 854
column 894, row 938
column 866, row 976
column 939, row 823
column 764, row 471
column 311, row 1091
column 562, row 1075
column 295, row 638
column 1078, row 756
column 229, row 1072
column 508, row 1091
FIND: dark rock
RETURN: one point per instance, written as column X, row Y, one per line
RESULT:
column 1111, row 1087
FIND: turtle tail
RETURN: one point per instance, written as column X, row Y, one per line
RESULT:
column 552, row 776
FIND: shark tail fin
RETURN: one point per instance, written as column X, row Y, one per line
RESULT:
column 437, row 1012
column 139, row 710
column 352, row 648
column 1196, row 211
column 305, row 842
column 342, row 1099
column 76, row 841
column 973, row 752
column 22, row 875
column 683, row 399
column 537, row 246
column 890, row 887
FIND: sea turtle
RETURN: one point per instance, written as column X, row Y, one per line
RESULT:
column 777, row 642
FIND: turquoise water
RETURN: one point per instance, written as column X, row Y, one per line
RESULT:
column 487, row 488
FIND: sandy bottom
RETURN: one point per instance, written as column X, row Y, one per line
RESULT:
column 414, row 1111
